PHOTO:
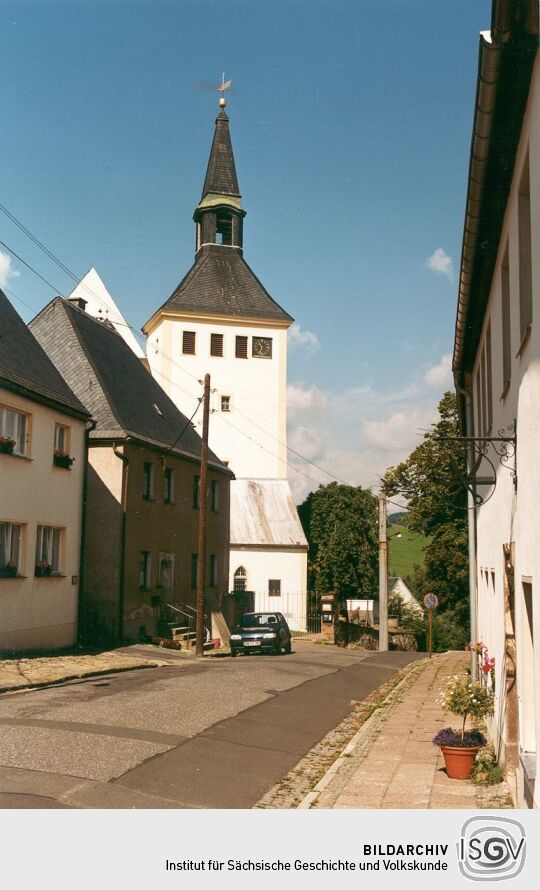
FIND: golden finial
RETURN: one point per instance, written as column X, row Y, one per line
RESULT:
column 221, row 88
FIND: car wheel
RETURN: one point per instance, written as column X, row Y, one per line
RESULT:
column 288, row 648
column 277, row 649
column 233, row 653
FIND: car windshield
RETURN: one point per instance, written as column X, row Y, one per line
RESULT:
column 256, row 619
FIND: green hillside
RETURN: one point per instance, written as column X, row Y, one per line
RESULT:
column 406, row 551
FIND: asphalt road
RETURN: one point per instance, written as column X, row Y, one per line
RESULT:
column 217, row 733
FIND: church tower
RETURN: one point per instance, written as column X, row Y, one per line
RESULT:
column 221, row 320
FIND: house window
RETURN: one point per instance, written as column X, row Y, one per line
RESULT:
column 194, row 560
column 225, row 403
column 506, row 330
column 240, row 580
column 48, row 549
column 14, row 428
column 196, row 492
column 216, row 344
column 241, row 347
column 489, row 380
column 145, row 570
column 525, row 258
column 214, row 495
column 274, row 587
column 168, row 485
column 188, row 342
column 148, row 481
column 213, row 570
column 166, row 574
column 61, row 438
column 10, row 549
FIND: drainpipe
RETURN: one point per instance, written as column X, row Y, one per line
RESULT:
column 471, row 524
column 122, row 568
column 82, row 560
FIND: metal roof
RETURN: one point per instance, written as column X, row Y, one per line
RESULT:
column 263, row 514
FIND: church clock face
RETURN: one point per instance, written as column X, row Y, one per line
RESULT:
column 262, row 347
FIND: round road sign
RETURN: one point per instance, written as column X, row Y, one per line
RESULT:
column 431, row 601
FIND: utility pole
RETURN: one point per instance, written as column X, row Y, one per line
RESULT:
column 201, row 559
column 383, row 577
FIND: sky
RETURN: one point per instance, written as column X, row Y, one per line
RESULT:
column 351, row 127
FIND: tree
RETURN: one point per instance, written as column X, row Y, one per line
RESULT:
column 431, row 479
column 340, row 523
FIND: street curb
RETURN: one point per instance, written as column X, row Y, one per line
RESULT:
column 360, row 736
column 101, row 673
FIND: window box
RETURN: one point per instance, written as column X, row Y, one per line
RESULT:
column 6, row 445
column 43, row 569
column 63, row 460
column 9, row 570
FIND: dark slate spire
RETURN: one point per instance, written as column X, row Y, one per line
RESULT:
column 221, row 172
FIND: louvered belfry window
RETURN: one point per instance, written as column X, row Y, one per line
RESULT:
column 188, row 342
column 216, row 344
column 241, row 347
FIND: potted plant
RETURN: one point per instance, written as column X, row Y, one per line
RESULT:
column 465, row 698
column 43, row 569
column 7, row 445
column 62, row 459
column 9, row 570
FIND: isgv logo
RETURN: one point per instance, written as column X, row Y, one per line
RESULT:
column 491, row 849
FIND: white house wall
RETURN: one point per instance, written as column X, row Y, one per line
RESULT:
column 41, row 612
column 508, row 516
column 263, row 565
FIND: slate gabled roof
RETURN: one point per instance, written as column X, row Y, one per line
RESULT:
column 26, row 369
column 221, row 176
column 221, row 282
column 124, row 398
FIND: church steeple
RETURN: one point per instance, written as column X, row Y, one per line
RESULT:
column 219, row 215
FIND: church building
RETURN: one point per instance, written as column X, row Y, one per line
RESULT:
column 222, row 321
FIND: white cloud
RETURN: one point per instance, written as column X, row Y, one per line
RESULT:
column 298, row 339
column 6, row 272
column 440, row 376
column 441, row 263
column 355, row 434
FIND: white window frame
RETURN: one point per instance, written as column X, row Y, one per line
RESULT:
column 14, row 424
column 61, row 438
column 49, row 540
column 11, row 544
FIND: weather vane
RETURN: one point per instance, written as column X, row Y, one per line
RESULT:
column 221, row 89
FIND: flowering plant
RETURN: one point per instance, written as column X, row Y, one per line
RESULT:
column 473, row 738
column 466, row 699
column 7, row 440
column 476, row 647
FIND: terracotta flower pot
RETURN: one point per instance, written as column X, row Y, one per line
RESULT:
column 459, row 761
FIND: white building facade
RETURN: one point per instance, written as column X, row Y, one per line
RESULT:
column 220, row 320
column 497, row 370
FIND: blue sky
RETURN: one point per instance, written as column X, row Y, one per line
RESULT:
column 351, row 126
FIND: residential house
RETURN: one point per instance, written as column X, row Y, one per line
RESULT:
column 220, row 319
column 42, row 458
column 142, row 500
column 497, row 372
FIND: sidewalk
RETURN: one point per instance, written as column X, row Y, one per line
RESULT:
column 31, row 673
column 391, row 763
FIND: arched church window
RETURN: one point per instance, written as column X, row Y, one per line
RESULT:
column 240, row 580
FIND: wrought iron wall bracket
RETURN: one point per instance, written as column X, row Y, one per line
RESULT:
column 505, row 447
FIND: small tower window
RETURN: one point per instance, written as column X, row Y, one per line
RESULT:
column 216, row 345
column 188, row 342
column 225, row 403
column 224, row 228
column 241, row 347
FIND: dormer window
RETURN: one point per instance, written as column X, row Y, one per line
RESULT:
column 224, row 228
